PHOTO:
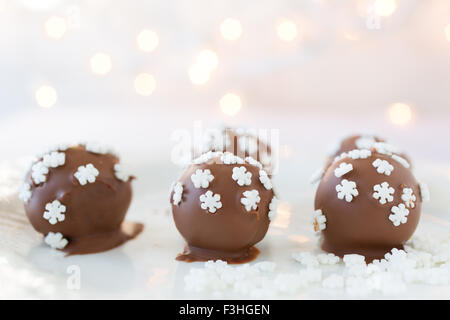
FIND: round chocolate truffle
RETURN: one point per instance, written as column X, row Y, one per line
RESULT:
column 222, row 206
column 77, row 197
column 367, row 203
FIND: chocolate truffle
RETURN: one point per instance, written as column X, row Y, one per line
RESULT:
column 367, row 203
column 240, row 142
column 77, row 197
column 222, row 206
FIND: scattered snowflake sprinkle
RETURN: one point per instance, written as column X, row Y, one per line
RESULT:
column 409, row 198
column 265, row 180
column 383, row 167
column 241, row 176
column 354, row 259
column 347, row 189
column 343, row 169
column 54, row 212
column 210, row 201
column 273, row 208
column 56, row 240
column 424, row 192
column 307, row 259
column 39, row 172
column 86, row 174
column 177, row 193
column 383, row 193
column 120, row 172
column 316, row 176
column 25, row 192
column 95, row 147
column 365, row 142
column 401, row 160
column 328, row 259
column 385, row 148
column 319, row 221
column 359, row 154
column 54, row 159
column 205, row 157
column 229, row 158
column 254, row 162
column 250, row 199
column 399, row 214
column 202, row 178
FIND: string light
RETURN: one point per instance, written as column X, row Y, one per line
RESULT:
column 385, row 8
column 147, row 40
column 447, row 32
column 55, row 27
column 231, row 29
column 144, row 84
column 46, row 96
column 101, row 63
column 230, row 104
column 287, row 30
column 400, row 113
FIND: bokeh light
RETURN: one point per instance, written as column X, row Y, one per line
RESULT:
column 447, row 32
column 230, row 104
column 287, row 30
column 207, row 59
column 101, row 64
column 400, row 113
column 385, row 8
column 198, row 74
column 147, row 40
column 46, row 96
column 144, row 84
column 55, row 27
column 231, row 29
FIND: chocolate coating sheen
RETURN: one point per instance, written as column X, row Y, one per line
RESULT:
column 230, row 233
column 95, row 212
column 362, row 226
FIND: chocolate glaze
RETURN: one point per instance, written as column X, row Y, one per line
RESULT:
column 94, row 212
column 362, row 226
column 230, row 233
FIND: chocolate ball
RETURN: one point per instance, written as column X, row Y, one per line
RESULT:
column 222, row 206
column 77, row 197
column 367, row 203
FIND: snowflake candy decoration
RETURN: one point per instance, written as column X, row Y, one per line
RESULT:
column 95, row 147
column 409, row 198
column 56, row 240
column 54, row 212
column 250, row 200
column 399, row 214
column 177, row 193
column 383, row 167
column 120, row 172
column 39, row 172
column 86, row 174
column 54, row 159
column 229, row 158
column 25, row 192
column 254, row 162
column 265, row 180
column 365, row 142
column 241, row 176
column 347, row 190
column 319, row 221
column 401, row 160
column 210, row 201
column 383, row 193
column 202, row 178
column 343, row 169
column 424, row 191
column 273, row 208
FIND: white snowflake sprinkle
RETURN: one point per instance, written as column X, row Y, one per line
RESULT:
column 205, row 157
column 202, row 178
column 343, row 169
column 56, row 240
column 229, row 158
column 409, row 198
column 399, row 214
column 354, row 259
column 424, row 192
column 87, row 173
column 319, row 221
column 359, row 154
column 273, row 208
column 95, row 147
column 365, row 142
column 177, row 193
column 401, row 160
column 250, row 200
column 328, row 259
column 254, row 162
column 383, row 167
column 317, row 176
column 54, row 159
column 385, row 148
column 39, row 172
column 383, row 193
column 241, row 176
column 120, row 172
column 25, row 192
column 54, row 212
column 347, row 189
column 210, row 201
column 265, row 180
